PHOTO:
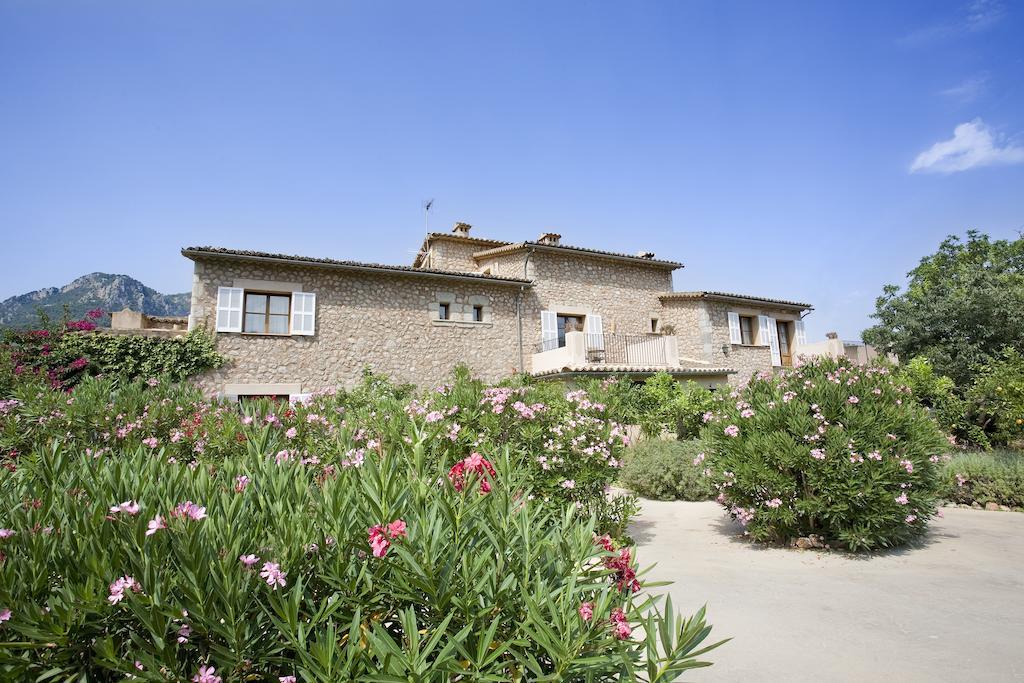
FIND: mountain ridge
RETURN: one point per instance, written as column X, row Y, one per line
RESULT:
column 106, row 291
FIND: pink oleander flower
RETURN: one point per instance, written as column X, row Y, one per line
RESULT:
column 129, row 506
column 774, row 503
column 960, row 481
column 473, row 463
column 732, row 430
column 183, row 633
column 153, row 381
column 620, row 626
column 911, row 519
column 286, row 679
column 151, row 442
column 155, row 524
column 247, row 420
column 291, row 433
column 207, row 674
column 853, row 399
column 902, row 498
column 248, row 560
column 586, row 611
column 7, row 533
column 241, row 483
column 397, row 529
column 699, row 459
column 378, row 540
column 817, row 454
column 272, row 573
column 568, row 484
column 747, row 412
column 190, row 510
column 119, row 586
column 5, row 615
column 907, row 465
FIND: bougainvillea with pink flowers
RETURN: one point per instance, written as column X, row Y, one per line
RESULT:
column 827, row 448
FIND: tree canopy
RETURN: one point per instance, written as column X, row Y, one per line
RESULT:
column 961, row 307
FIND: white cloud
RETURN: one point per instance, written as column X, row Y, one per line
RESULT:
column 973, row 144
column 968, row 90
column 975, row 17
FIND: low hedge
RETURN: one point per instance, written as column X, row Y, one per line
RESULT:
column 996, row 477
column 666, row 470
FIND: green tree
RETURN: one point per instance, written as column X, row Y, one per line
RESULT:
column 962, row 306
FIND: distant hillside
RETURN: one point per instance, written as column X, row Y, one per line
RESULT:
column 95, row 290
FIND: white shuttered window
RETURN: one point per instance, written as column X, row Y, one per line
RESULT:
column 735, row 336
column 548, row 330
column 303, row 313
column 801, row 334
column 595, row 332
column 229, row 309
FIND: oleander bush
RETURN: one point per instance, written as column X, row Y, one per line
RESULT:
column 373, row 534
column 661, row 469
column 828, row 448
column 995, row 477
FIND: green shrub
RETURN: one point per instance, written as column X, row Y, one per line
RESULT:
column 941, row 397
column 660, row 404
column 64, row 353
column 666, row 470
column 997, row 398
column 996, row 477
column 828, row 448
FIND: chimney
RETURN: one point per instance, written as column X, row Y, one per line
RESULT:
column 831, row 335
column 551, row 238
column 645, row 254
column 462, row 229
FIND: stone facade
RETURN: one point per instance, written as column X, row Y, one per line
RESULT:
column 387, row 318
column 386, row 322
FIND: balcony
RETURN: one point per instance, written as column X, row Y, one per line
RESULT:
column 612, row 352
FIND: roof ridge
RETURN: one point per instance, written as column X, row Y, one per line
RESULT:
column 362, row 265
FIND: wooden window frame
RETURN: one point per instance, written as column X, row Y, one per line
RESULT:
column 267, row 314
column 747, row 338
column 478, row 313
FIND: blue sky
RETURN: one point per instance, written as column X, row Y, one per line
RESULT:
column 802, row 150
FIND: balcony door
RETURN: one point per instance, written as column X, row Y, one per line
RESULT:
column 785, row 348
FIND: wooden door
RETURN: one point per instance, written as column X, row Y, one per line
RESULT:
column 784, row 348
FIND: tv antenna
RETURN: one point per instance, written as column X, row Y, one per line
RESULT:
column 426, row 229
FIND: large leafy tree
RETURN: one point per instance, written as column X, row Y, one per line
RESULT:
column 961, row 307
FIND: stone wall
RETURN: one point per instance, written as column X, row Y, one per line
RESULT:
column 386, row 321
column 624, row 294
column 448, row 253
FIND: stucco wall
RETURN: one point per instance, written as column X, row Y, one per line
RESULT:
column 384, row 321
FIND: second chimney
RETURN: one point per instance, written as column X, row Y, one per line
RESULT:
column 462, row 229
column 552, row 238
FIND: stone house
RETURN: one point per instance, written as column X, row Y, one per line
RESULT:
column 290, row 325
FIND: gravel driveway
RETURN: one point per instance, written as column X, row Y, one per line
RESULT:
column 950, row 609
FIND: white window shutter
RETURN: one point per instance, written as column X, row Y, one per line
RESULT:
column 595, row 332
column 229, row 309
column 764, row 335
column 303, row 313
column 735, row 337
column 801, row 334
column 773, row 331
column 548, row 330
